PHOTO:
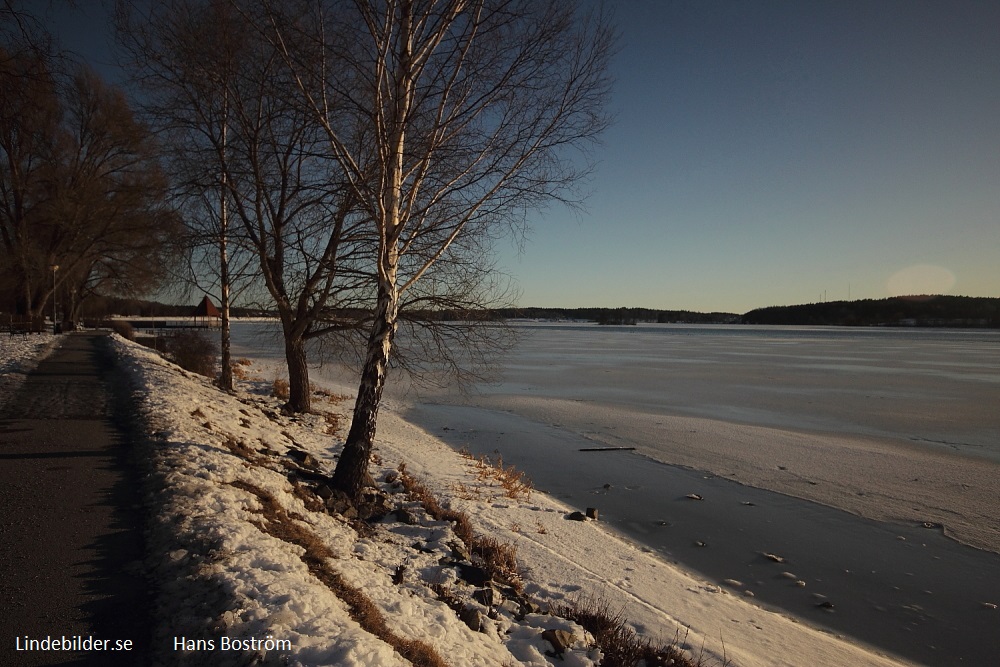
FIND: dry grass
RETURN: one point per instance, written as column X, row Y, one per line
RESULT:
column 278, row 523
column 621, row 646
column 280, row 389
column 243, row 450
column 514, row 482
column 499, row 560
column 466, row 492
column 242, row 361
column 328, row 395
column 333, row 423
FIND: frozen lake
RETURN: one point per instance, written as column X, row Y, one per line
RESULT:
column 937, row 388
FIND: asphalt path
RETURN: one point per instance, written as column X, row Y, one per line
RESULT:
column 71, row 549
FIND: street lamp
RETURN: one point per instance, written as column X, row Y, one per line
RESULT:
column 54, row 267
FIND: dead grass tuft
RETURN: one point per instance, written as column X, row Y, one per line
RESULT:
column 333, row 423
column 327, row 394
column 621, row 646
column 242, row 450
column 514, row 482
column 280, row 389
column 499, row 560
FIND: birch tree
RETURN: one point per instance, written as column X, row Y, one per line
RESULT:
column 449, row 119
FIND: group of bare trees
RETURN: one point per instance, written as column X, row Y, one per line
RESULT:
column 82, row 197
column 363, row 156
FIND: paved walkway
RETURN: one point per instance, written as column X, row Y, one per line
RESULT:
column 70, row 532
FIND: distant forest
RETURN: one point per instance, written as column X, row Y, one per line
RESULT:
column 914, row 311
column 908, row 311
column 618, row 315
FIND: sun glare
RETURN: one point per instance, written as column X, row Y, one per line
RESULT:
column 920, row 279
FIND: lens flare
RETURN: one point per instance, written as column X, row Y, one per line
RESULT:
column 920, row 279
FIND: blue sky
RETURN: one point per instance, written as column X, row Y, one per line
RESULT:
column 769, row 153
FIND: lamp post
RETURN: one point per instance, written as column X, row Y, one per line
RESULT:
column 54, row 267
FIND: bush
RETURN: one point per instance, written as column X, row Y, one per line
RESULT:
column 123, row 329
column 280, row 389
column 193, row 352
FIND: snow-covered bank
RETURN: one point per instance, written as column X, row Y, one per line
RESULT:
column 18, row 356
column 221, row 462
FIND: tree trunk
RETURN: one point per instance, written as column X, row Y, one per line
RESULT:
column 351, row 474
column 299, row 396
column 226, row 376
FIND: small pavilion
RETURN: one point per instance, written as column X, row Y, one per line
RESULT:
column 207, row 315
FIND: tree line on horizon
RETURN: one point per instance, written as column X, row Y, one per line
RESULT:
column 927, row 311
column 917, row 311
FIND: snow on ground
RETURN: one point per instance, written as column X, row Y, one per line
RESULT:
column 228, row 554
column 18, row 356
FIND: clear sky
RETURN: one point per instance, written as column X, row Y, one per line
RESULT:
column 768, row 153
column 776, row 152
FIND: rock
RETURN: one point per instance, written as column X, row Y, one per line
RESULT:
column 989, row 605
column 693, row 496
column 488, row 597
column 374, row 506
column 458, row 551
column 304, row 458
column 733, row 582
column 592, row 513
column 324, row 491
column 773, row 557
column 472, row 618
column 473, row 574
column 576, row 516
column 391, row 477
column 560, row 640
column 404, row 515
column 339, row 503
column 825, row 604
column 607, row 487
column 512, row 607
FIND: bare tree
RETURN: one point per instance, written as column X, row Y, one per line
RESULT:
column 185, row 53
column 80, row 189
column 223, row 95
column 30, row 114
column 448, row 119
column 110, row 224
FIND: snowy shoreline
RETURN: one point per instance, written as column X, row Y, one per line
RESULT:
column 266, row 589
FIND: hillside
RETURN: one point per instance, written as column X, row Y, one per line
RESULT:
column 909, row 311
